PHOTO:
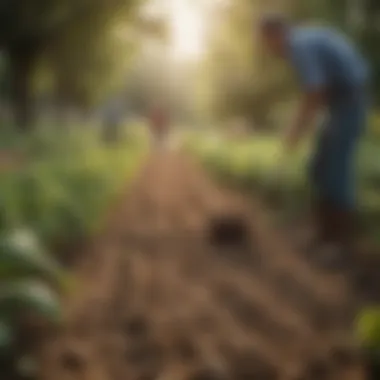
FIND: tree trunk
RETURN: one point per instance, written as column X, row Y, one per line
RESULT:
column 22, row 61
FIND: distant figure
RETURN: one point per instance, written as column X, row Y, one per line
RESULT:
column 333, row 77
column 159, row 126
column 113, row 118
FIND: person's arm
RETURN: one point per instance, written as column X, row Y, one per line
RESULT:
column 311, row 103
column 313, row 82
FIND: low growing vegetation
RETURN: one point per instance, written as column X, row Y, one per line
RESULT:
column 55, row 188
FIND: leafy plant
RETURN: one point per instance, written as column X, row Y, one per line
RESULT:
column 30, row 285
column 59, row 194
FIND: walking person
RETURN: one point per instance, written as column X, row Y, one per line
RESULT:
column 159, row 125
column 333, row 77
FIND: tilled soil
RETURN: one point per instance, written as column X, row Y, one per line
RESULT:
column 163, row 296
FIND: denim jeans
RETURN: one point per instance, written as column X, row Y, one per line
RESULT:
column 332, row 169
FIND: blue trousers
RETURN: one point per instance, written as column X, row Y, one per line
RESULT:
column 332, row 168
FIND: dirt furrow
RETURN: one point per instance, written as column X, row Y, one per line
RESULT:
column 160, row 300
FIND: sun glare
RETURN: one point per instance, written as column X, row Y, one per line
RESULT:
column 186, row 21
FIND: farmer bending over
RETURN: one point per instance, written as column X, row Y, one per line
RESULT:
column 333, row 77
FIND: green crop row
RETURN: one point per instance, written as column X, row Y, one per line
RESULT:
column 254, row 165
column 64, row 184
column 31, row 282
column 55, row 188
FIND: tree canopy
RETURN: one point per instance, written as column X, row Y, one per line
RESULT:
column 85, row 44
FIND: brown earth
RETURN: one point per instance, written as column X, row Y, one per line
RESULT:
column 160, row 300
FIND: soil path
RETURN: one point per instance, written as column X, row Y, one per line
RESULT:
column 158, row 300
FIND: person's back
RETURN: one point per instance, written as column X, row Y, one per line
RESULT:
column 342, row 66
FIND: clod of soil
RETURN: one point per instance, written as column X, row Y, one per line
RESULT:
column 227, row 230
column 322, row 319
column 148, row 376
column 145, row 354
column 136, row 327
column 343, row 357
column 367, row 284
column 72, row 361
column 317, row 370
column 204, row 322
column 208, row 374
column 186, row 349
column 248, row 365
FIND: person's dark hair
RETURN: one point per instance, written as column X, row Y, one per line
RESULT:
column 274, row 22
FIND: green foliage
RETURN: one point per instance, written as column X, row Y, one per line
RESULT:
column 21, row 255
column 368, row 334
column 60, row 194
column 84, row 45
column 368, row 42
column 30, row 281
column 368, row 328
column 251, row 165
column 89, row 58
column 375, row 126
column 6, row 337
column 18, row 298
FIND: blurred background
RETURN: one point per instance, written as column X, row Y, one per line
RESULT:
column 82, row 81
column 64, row 63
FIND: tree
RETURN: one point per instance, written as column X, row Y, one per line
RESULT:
column 29, row 28
column 25, row 29
column 90, row 61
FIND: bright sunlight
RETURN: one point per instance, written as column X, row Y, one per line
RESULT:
column 187, row 22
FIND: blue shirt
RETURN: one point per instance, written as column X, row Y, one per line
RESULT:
column 324, row 58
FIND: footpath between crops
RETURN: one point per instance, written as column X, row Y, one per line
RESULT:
column 160, row 297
